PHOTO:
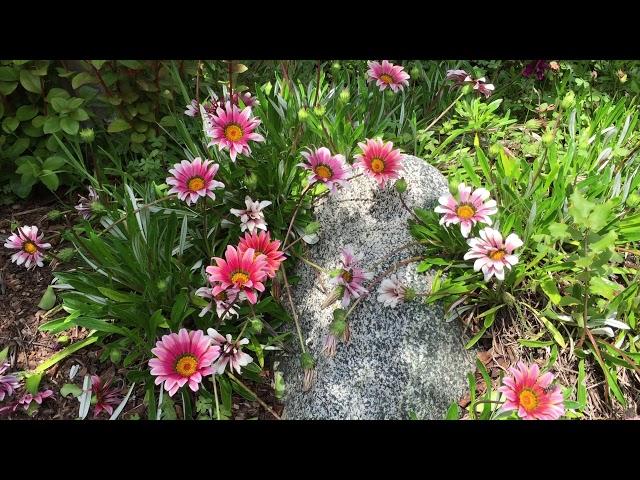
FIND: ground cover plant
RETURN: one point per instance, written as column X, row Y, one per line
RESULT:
column 185, row 195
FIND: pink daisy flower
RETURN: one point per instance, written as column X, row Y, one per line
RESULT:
column 252, row 217
column 30, row 246
column 391, row 292
column 492, row 253
column 225, row 301
column 191, row 180
column 352, row 277
column 232, row 129
column 85, row 205
column 8, row 383
column 330, row 170
column 473, row 207
column 181, row 358
column 387, row 74
column 193, row 109
column 532, row 394
column 242, row 270
column 230, row 352
column 106, row 396
column 379, row 161
column 262, row 245
column 481, row 86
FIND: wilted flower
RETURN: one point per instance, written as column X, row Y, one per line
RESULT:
column 8, row 383
column 262, row 245
column 106, row 396
column 330, row 170
column 532, row 394
column 391, row 292
column 481, row 86
column 459, row 77
column 387, row 74
column 30, row 246
column 230, row 352
column 537, row 68
column 252, row 217
column 242, row 270
column 225, row 301
column 379, row 161
column 473, row 207
column 85, row 206
column 351, row 276
column 181, row 358
column 330, row 345
column 191, row 180
column 492, row 253
column 193, row 109
column 232, row 129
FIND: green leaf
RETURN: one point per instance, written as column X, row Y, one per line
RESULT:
column 30, row 82
column 118, row 125
column 69, row 125
column 582, row 387
column 132, row 64
column 32, row 382
column 80, row 115
column 6, row 88
column 4, row 354
column 551, row 289
column 50, row 179
column 48, row 300
column 70, row 389
column 26, row 112
column 81, row 79
column 8, row 74
column 453, row 413
column 51, row 125
column 62, row 354
column 554, row 332
column 9, row 124
column 599, row 217
column 604, row 287
column 58, row 104
column 54, row 163
column 118, row 296
column 239, row 68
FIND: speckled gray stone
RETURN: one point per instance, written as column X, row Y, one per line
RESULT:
column 399, row 361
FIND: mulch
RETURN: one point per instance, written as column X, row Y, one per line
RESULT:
column 20, row 293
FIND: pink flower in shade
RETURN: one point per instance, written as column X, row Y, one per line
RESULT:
column 262, row 245
column 473, row 207
column 181, row 358
column 330, row 170
column 459, row 77
column 193, row 109
column 391, row 292
column 248, row 100
column 106, row 396
column 242, row 270
column 225, row 301
column 232, row 129
column 532, row 394
column 481, row 86
column 85, row 205
column 379, row 161
column 8, row 383
column 27, row 398
column 230, row 352
column 30, row 246
column 351, row 277
column 251, row 217
column 492, row 254
column 191, row 180
column 387, row 74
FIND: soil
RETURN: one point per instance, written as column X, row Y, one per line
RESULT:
column 20, row 293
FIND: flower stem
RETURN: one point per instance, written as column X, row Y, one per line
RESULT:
column 310, row 263
column 293, row 310
column 258, row 399
column 122, row 219
column 295, row 213
column 444, row 112
column 215, row 394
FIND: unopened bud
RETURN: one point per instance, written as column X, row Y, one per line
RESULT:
column 319, row 110
column 303, row 115
column 533, row 124
column 66, row 254
column 548, row 138
column 401, row 185
column 344, row 95
column 453, row 187
column 409, row 294
column 495, row 149
column 98, row 208
column 54, row 214
column 162, row 285
column 251, row 181
column 87, row 135
column 569, row 100
column 115, row 355
column 339, row 323
column 415, row 73
column 63, row 339
column 256, row 324
column 307, row 361
column 336, row 67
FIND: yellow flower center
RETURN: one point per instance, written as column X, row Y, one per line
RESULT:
column 497, row 255
column 240, row 278
column 386, row 78
column 377, row 165
column 528, row 399
column 323, row 172
column 187, row 365
column 30, row 247
column 465, row 211
column 233, row 132
column 346, row 276
column 195, row 184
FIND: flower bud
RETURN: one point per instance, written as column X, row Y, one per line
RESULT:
column 63, row 339
column 548, row 138
column 453, row 187
column 533, row 124
column 98, row 208
column 415, row 72
column 389, row 93
column 569, row 100
column 115, row 355
column 54, row 214
column 344, row 95
column 319, row 110
column 401, row 185
column 256, row 324
column 87, row 135
column 339, row 323
column 303, row 115
column 162, row 285
column 633, row 200
column 312, row 228
column 307, row 361
column 494, row 150
column 251, row 181
column 336, row 67
column 66, row 254
column 409, row 294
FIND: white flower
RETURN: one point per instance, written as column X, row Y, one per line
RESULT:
column 230, row 352
column 391, row 292
column 252, row 217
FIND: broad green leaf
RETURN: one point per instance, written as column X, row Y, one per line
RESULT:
column 9, row 124
column 55, row 162
column 30, row 82
column 62, row 354
column 70, row 389
column 51, row 125
column 551, row 289
column 554, row 332
column 81, row 79
column 26, row 112
column 50, row 179
column 69, row 125
column 32, row 382
column 118, row 125
column 48, row 300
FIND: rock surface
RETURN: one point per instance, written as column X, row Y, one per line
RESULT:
column 400, row 361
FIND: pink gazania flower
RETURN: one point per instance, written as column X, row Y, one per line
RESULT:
column 391, row 292
column 85, row 205
column 106, row 396
column 492, row 253
column 532, row 394
column 387, row 74
column 242, row 270
column 191, row 180
column 481, row 86
column 181, row 358
column 379, row 161
column 459, row 77
column 230, row 352
column 225, row 301
column 262, row 245
column 30, row 246
column 193, row 109
column 352, row 277
column 252, row 217
column 27, row 398
column 330, row 170
column 8, row 383
column 232, row 129
column 473, row 207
